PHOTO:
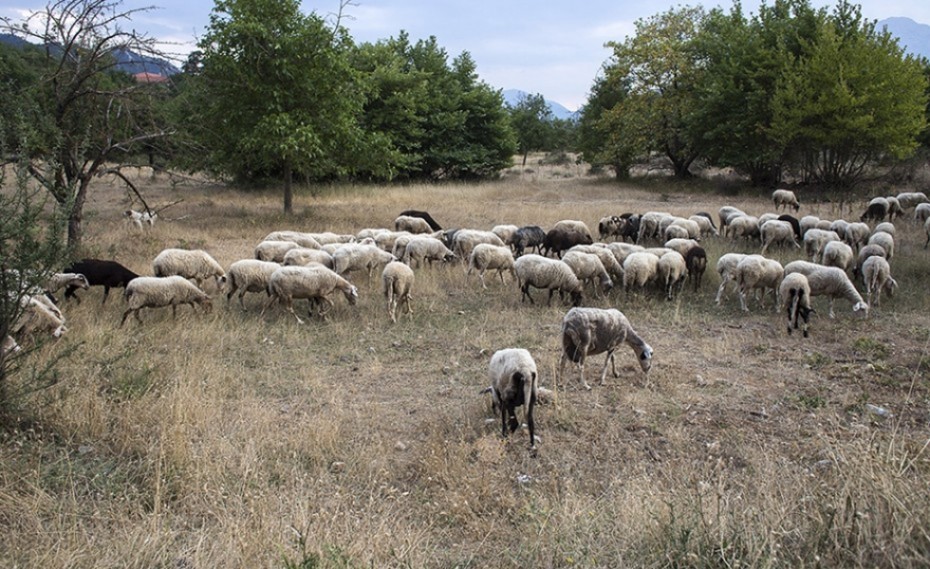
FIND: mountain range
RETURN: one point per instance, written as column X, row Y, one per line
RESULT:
column 912, row 36
column 127, row 61
column 513, row 96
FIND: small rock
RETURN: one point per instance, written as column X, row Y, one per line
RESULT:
column 86, row 449
column 823, row 464
column 400, row 446
column 524, row 478
column 446, row 370
column 371, row 349
column 880, row 411
column 337, row 467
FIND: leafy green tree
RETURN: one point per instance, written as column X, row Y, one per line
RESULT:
column 77, row 116
column 532, row 119
column 600, row 132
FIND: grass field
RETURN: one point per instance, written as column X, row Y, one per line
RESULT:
column 231, row 440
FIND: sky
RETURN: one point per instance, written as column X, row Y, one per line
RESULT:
column 554, row 49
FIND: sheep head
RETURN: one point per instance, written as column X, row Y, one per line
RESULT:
column 645, row 357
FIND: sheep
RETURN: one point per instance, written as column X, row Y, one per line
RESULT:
column 303, row 239
column 758, row 272
column 249, row 275
column 559, row 239
column 894, row 208
column 466, row 239
column 575, row 226
column 837, row 254
column 865, row 253
column 528, row 236
column 400, row 244
column 832, row 282
column 795, row 224
column 155, row 292
column 60, row 280
column 314, row 282
column 705, row 223
column 777, row 232
column 274, row 251
column 726, row 268
column 744, row 226
column 490, row 257
column 591, row 331
column 692, row 227
column 514, row 382
column 588, row 267
column 672, row 270
column 426, row 249
column 876, row 210
column 639, row 269
column 922, row 212
column 630, row 228
column 397, row 284
column 38, row 315
column 423, row 215
column 682, row 246
column 885, row 241
column 785, row 198
column 807, row 223
column 609, row 226
column 370, row 233
column 355, row 257
column 676, row 232
column 876, row 275
column 622, row 250
column 194, row 264
column 545, row 273
column 649, row 225
column 886, row 227
column 305, row 256
column 814, row 241
column 824, row 224
column 99, row 272
column 839, row 226
column 696, row 263
column 907, row 200
column 795, row 293
column 725, row 214
column 328, row 237
column 387, row 239
column 607, row 257
column 505, row 232
column 412, row 224
column 857, row 234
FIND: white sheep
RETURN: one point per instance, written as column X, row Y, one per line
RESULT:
column 672, row 270
column 622, row 250
column 744, row 226
column 607, row 257
column 725, row 214
column 639, row 269
column 591, row 331
column 726, row 268
column 314, row 282
column 274, row 251
column 156, row 292
column 857, row 234
column 885, row 241
column 303, row 239
column 588, row 268
column 682, row 246
column 505, row 232
column 832, row 282
column 358, row 257
column 650, row 225
column 676, row 232
column 886, row 227
column 706, row 225
column 766, row 217
column 876, row 275
column 839, row 226
column 814, row 241
column 758, row 272
column 545, row 273
column 573, row 226
column 328, row 237
column 807, row 223
column 194, row 264
column 514, row 382
column 795, row 293
column 397, row 284
column 387, row 239
column 427, row 249
column 485, row 257
column 412, row 224
column 894, row 208
column 776, row 232
column 466, row 239
column 838, row 254
column 249, row 275
column 693, row 227
column 907, row 200
column 38, row 315
column 60, row 280
column 785, row 198
column 304, row 256
column 400, row 245
column 922, row 212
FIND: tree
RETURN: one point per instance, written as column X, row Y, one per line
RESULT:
column 277, row 94
column 601, row 140
column 79, row 115
column 531, row 118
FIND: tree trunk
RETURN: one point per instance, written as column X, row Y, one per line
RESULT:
column 76, row 216
column 288, row 190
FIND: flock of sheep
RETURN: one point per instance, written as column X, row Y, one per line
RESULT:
column 653, row 249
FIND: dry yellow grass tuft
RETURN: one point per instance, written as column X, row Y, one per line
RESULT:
column 231, row 440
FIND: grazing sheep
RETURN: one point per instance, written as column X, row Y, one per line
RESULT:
column 388, row 239
column 839, row 226
column 865, row 253
column 609, row 226
column 355, row 257
column 607, row 257
column 682, row 246
column 676, row 232
column 744, row 226
column 767, row 217
column 505, row 232
column 876, row 210
column 303, row 239
column 692, row 227
column 559, row 239
column 922, row 212
column 622, row 250
column 156, row 292
column 825, row 224
column 725, row 214
column 832, row 282
column 907, row 200
column 249, row 275
column 857, row 234
column 837, row 254
column 545, row 273
column 397, row 284
column 194, row 264
column 514, row 382
column 726, row 268
column 672, row 271
column 60, row 280
column 423, row 215
column 574, row 226
column 328, row 237
column 876, row 274
column 466, row 239
column 486, row 257
column 785, row 198
column 705, row 223
column 758, row 272
column 639, row 269
column 370, row 233
column 885, row 241
column 795, row 293
column 304, row 256
column 588, row 268
column 807, row 223
column 98, row 272
column 412, row 224
column 426, row 249
column 894, row 208
column 526, row 237
column 400, row 245
column 795, row 224
column 814, row 241
column 777, row 232
column 696, row 263
column 591, row 331
column 274, row 251
column 630, row 228
column 886, row 227
column 314, row 283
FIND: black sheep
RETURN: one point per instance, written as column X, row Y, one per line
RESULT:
column 876, row 211
column 558, row 240
column 108, row 274
column 696, row 261
column 795, row 224
column 528, row 236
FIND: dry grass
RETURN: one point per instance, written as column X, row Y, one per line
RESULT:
column 228, row 440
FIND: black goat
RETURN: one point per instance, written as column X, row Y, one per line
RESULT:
column 108, row 274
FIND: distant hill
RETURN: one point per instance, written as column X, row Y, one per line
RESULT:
column 127, row 61
column 912, row 36
column 513, row 96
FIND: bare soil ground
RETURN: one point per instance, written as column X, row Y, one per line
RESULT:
column 230, row 439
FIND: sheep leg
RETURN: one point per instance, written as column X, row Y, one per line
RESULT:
column 500, row 273
column 526, row 293
column 106, row 293
column 742, row 299
column 613, row 366
column 481, row 278
column 528, row 414
column 832, row 314
column 125, row 314
column 407, row 305
column 174, row 311
column 289, row 305
column 242, row 302
column 723, row 284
